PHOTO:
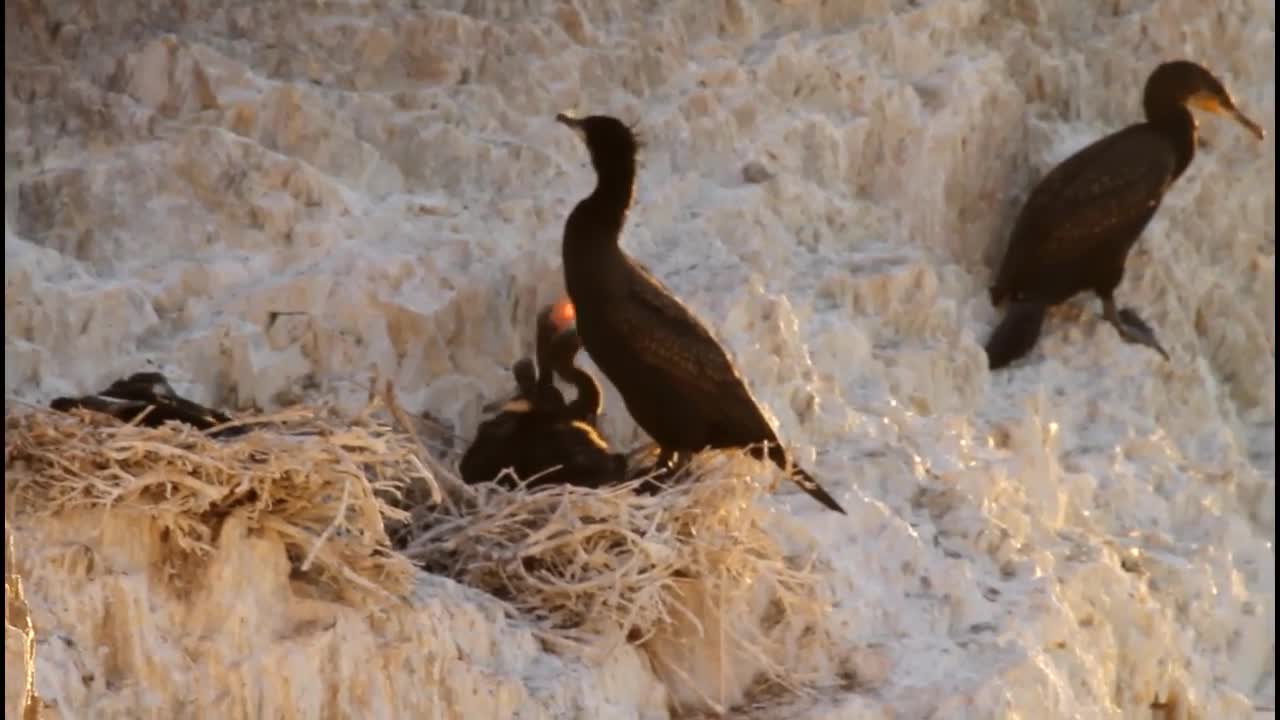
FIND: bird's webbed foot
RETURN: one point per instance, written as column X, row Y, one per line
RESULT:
column 1133, row 328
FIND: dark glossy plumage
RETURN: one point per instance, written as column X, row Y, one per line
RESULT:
column 1078, row 224
column 589, row 399
column 127, row 398
column 676, row 380
column 526, row 376
column 537, row 430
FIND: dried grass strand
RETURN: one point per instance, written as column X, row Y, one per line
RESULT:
column 588, row 568
column 319, row 483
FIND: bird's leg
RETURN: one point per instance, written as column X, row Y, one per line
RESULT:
column 681, row 459
column 1131, row 327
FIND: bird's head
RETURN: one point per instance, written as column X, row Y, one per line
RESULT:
column 558, row 340
column 1195, row 86
column 608, row 139
column 526, row 390
column 526, row 377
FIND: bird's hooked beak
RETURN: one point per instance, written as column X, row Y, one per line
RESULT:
column 1224, row 105
column 1248, row 123
column 571, row 122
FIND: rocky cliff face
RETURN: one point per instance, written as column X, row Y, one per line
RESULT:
column 1086, row 535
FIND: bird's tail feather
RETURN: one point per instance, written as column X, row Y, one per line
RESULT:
column 800, row 477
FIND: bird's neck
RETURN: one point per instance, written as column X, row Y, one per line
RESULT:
column 1175, row 122
column 586, row 406
column 592, row 257
column 548, row 399
column 596, row 222
column 615, row 184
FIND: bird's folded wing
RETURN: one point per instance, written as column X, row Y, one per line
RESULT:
column 1097, row 196
column 671, row 341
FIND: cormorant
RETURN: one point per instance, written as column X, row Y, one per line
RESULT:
column 674, row 377
column 128, row 397
column 553, row 337
column 536, row 430
column 1076, row 229
column 526, row 377
column 552, row 324
column 563, row 352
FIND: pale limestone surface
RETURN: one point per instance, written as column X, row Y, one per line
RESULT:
column 828, row 184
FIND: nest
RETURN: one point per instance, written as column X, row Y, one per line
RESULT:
column 677, row 573
column 321, row 486
column 690, row 575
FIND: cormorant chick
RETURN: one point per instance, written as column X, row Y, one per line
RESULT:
column 536, row 430
column 1076, row 229
column 674, row 377
column 127, row 398
column 563, row 352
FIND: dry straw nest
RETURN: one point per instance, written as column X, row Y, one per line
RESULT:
column 358, row 502
column 692, row 575
column 321, row 486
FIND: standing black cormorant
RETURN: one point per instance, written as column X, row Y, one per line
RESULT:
column 674, row 377
column 536, row 430
column 1076, row 228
